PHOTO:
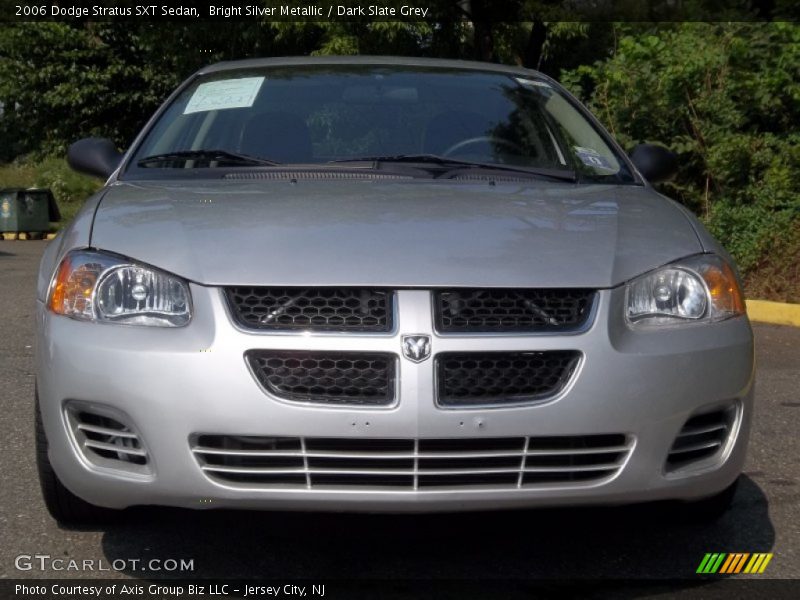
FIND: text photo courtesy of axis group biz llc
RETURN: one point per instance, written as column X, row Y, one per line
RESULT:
column 436, row 299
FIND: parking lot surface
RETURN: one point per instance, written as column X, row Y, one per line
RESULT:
column 637, row 542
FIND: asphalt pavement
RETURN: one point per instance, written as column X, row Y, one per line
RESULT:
column 634, row 542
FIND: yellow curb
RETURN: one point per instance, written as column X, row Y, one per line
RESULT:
column 778, row 313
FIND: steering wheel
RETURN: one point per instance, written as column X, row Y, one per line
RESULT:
column 484, row 139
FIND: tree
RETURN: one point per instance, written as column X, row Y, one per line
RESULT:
column 726, row 97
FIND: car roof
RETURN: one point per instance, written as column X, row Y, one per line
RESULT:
column 403, row 61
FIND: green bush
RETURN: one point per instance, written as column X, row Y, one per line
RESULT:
column 70, row 188
column 726, row 98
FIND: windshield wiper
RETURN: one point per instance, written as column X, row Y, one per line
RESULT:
column 222, row 156
column 444, row 161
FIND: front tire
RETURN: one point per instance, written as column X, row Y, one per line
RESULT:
column 64, row 506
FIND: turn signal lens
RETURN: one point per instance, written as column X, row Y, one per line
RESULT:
column 73, row 287
column 93, row 286
column 723, row 287
column 58, row 291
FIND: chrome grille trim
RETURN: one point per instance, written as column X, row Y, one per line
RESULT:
column 414, row 472
column 696, row 447
column 701, row 438
column 105, row 431
column 690, row 431
column 114, row 448
column 416, row 464
column 106, row 439
column 412, row 455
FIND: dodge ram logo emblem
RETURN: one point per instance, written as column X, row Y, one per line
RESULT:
column 416, row 347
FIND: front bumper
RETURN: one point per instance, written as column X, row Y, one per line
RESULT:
column 175, row 383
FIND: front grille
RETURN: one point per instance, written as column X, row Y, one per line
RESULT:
column 410, row 464
column 312, row 309
column 703, row 436
column 512, row 310
column 480, row 378
column 106, row 441
column 350, row 378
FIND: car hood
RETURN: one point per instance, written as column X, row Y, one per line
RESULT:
column 402, row 234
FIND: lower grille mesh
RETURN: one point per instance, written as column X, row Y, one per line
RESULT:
column 470, row 378
column 413, row 464
column 352, row 378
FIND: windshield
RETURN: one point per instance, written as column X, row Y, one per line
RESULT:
column 329, row 115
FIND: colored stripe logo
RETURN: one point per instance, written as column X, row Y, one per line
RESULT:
column 736, row 562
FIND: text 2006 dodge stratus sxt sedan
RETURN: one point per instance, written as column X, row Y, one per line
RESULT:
column 385, row 285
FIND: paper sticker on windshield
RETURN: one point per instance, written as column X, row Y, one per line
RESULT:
column 592, row 158
column 228, row 93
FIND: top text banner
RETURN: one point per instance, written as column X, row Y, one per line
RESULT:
column 390, row 10
column 32, row 10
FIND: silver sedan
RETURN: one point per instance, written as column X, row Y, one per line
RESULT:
column 374, row 284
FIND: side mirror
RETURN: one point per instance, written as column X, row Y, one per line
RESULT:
column 655, row 163
column 94, row 156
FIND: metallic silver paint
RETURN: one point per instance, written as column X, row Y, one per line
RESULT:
column 627, row 383
column 404, row 234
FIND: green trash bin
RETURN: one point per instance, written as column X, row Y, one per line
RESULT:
column 28, row 211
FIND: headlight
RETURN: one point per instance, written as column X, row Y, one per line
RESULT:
column 700, row 288
column 94, row 286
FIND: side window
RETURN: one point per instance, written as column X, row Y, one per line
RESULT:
column 591, row 153
column 172, row 134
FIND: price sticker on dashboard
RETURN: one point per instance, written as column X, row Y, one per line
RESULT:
column 228, row 93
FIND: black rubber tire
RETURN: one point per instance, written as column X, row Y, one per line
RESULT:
column 712, row 508
column 64, row 506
